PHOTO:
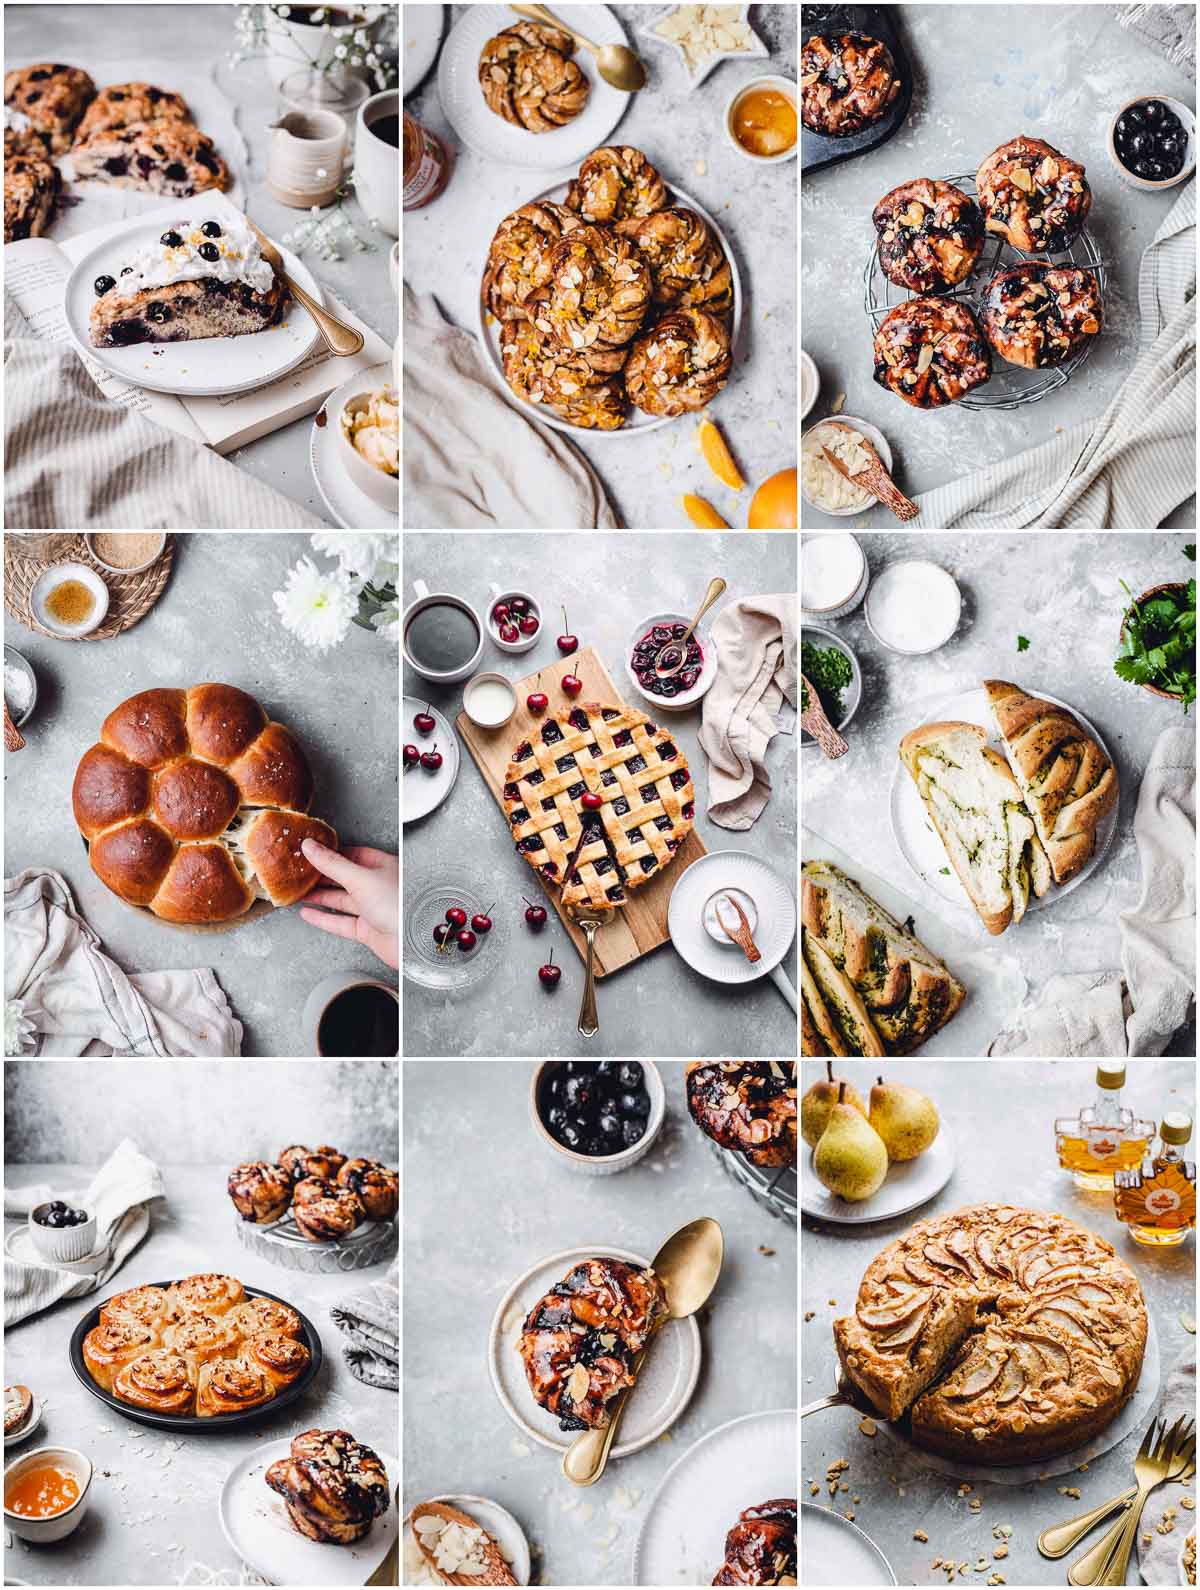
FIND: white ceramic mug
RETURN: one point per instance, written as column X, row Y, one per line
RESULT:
column 377, row 164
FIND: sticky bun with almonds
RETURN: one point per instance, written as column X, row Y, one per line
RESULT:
column 680, row 364
column 377, row 1188
column 299, row 1161
column 325, row 1217
column 260, row 1192
column 614, row 184
column 761, row 1547
column 141, row 1305
column 233, row 1385
column 264, row 1314
column 1036, row 315
column 1033, row 196
column 529, row 78
column 515, row 264
column 930, row 235
column 160, row 1380
column 688, row 268
column 334, row 1487
column 206, row 1294
column 847, row 83
column 746, row 1105
column 573, row 384
column 578, row 1342
column 930, row 352
column 278, row 1356
column 201, row 1337
column 108, row 1348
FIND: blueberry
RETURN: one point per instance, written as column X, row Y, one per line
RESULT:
column 631, row 1074
column 610, row 1125
column 117, row 166
column 635, row 1104
column 1152, row 111
column 158, row 313
column 556, row 1118
column 171, row 240
column 211, row 229
column 1142, row 169
column 1157, row 170
column 209, row 251
column 103, row 284
column 570, row 1136
column 1169, row 146
column 1169, row 121
column 175, row 172
column 1139, row 143
column 1122, row 129
column 127, row 270
column 574, row 1092
column 1135, row 117
column 633, row 1132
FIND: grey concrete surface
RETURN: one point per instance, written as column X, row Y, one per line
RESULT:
column 199, row 38
column 215, row 620
column 1001, row 1118
column 606, row 583
column 473, row 1224
column 681, row 132
column 1063, row 593
column 984, row 74
column 153, row 1517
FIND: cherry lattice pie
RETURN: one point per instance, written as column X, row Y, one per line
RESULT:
column 1006, row 1334
column 205, row 280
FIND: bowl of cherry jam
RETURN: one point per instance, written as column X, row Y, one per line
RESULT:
column 681, row 686
column 598, row 1115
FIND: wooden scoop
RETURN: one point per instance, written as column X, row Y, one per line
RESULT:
column 496, row 1570
column 874, row 478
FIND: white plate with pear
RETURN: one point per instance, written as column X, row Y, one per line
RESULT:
column 877, row 1148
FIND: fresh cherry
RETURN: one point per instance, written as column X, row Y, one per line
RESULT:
column 411, row 756
column 425, row 722
column 518, row 605
column 535, row 915
column 537, row 701
column 566, row 642
column 482, row 922
column 529, row 624
column 590, row 801
column 431, row 760
column 571, row 685
column 509, row 633
column 465, row 940
column 441, row 933
column 500, row 612
column 549, row 975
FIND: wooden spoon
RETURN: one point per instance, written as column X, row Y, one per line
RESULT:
column 874, row 478
column 819, row 726
column 496, row 1570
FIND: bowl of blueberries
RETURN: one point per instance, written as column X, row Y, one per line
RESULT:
column 1152, row 142
column 61, row 1232
column 599, row 1115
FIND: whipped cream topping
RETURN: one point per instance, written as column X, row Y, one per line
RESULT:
column 237, row 258
column 16, row 120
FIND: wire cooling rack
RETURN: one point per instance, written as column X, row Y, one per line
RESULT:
column 1011, row 385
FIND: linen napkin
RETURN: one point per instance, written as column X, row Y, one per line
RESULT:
column 745, row 708
column 371, row 1322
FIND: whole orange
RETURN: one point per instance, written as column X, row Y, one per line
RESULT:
column 773, row 506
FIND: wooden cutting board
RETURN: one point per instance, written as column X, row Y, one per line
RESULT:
column 640, row 925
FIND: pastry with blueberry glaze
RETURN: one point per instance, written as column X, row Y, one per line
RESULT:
column 162, row 156
column 1036, row 316
column 930, row 235
column 1035, row 198
column 848, row 83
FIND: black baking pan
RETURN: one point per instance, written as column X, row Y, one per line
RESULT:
column 879, row 22
column 190, row 1422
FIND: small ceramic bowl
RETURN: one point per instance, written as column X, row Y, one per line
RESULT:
column 603, row 1164
column 135, row 568
column 62, row 1244
column 39, row 1531
column 14, row 659
column 708, row 668
column 381, row 487
column 1187, row 120
column 49, row 580
column 522, row 642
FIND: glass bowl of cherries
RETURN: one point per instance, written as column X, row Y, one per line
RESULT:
column 598, row 1115
column 1152, row 141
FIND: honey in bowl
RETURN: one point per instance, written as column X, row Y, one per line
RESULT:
column 764, row 122
column 42, row 1492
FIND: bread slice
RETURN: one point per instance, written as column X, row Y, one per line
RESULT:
column 818, row 1034
column 975, row 804
column 1069, row 784
column 909, row 993
column 853, row 1023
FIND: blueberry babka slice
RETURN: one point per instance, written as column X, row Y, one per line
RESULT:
column 162, row 156
column 761, row 1546
column 579, row 1341
column 205, row 280
column 746, row 1105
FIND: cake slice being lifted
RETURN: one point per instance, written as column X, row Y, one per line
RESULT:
column 205, row 279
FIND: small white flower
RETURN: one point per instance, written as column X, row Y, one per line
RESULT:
column 360, row 38
column 316, row 606
column 340, row 52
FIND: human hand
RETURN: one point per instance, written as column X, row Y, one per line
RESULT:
column 367, row 905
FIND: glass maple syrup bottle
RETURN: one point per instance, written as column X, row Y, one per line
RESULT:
column 1104, row 1137
column 1157, row 1200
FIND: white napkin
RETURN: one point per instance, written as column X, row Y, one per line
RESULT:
column 1103, row 1013
column 76, row 997
column 473, row 456
column 371, row 1321
column 756, row 639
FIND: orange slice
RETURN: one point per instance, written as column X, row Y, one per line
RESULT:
column 717, row 456
column 702, row 514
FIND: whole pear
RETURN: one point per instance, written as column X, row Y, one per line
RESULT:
column 818, row 1102
column 850, row 1158
column 905, row 1119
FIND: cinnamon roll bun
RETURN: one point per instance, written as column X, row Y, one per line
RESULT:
column 232, row 1385
column 615, row 184
column 206, row 1294
column 325, row 1219
column 334, row 1487
column 930, row 235
column 930, row 352
column 1035, row 197
column 377, row 1188
column 281, row 1358
column 597, row 290
column 575, row 385
column 680, row 364
column 264, row 1314
column 201, row 1337
column 260, row 1192
column 847, row 83
column 528, row 77
column 141, row 1305
column 108, row 1348
column 160, row 1380
column 300, row 1162
column 515, row 263
column 688, row 268
column 312, row 1188
column 761, row 1546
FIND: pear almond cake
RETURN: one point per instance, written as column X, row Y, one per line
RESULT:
column 1007, row 1334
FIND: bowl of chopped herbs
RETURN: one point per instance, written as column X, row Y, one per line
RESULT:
column 1158, row 641
column 832, row 669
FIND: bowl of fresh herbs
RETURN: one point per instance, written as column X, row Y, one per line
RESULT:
column 1158, row 641
column 832, row 669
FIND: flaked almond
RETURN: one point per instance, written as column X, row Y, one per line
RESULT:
column 1091, row 325
column 1021, row 179
column 1064, row 298
column 1037, row 287
column 914, row 215
column 577, row 1386
column 1048, row 170
column 924, row 359
column 805, row 82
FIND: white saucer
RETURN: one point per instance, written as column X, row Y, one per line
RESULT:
column 350, row 507
column 19, row 1247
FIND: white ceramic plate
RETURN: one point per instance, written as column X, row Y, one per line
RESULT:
column 918, row 839
column 906, row 1187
